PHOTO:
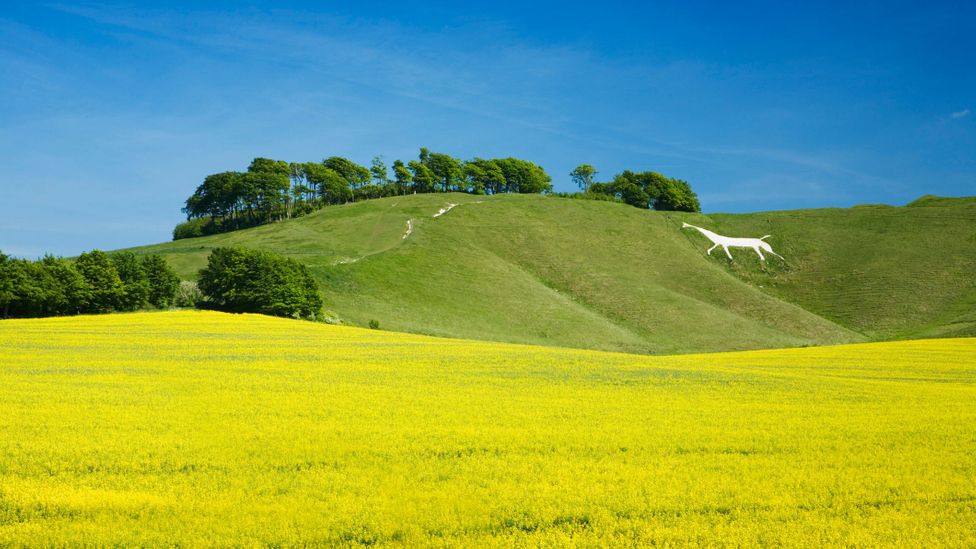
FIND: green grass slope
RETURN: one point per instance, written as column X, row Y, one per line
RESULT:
column 886, row 272
column 527, row 269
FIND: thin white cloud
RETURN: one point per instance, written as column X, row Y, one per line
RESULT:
column 960, row 114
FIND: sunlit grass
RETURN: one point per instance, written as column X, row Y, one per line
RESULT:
column 202, row 428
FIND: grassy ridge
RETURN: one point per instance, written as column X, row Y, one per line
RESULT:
column 198, row 428
column 526, row 269
column 578, row 273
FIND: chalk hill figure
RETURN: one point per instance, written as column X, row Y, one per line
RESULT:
column 727, row 242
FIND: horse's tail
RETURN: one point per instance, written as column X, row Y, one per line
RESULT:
column 765, row 237
column 686, row 225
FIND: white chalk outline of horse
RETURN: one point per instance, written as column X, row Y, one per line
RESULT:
column 727, row 242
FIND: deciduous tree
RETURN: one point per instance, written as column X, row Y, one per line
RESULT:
column 583, row 176
column 242, row 280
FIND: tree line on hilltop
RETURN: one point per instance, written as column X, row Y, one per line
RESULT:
column 95, row 282
column 648, row 190
column 272, row 190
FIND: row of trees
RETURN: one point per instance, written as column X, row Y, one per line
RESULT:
column 271, row 190
column 95, row 282
column 641, row 189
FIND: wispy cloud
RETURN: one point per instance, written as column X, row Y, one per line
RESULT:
column 561, row 90
column 960, row 114
column 105, row 108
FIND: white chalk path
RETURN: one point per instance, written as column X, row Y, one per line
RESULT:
column 443, row 211
column 406, row 234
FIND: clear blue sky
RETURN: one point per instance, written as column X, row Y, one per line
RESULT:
column 111, row 114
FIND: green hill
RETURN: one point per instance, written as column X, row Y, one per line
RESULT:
column 885, row 272
column 578, row 273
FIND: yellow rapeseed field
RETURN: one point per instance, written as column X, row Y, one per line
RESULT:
column 198, row 428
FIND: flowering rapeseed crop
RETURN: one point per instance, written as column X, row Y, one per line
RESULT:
column 201, row 428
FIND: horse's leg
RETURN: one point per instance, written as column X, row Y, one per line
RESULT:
column 777, row 255
column 726, row 248
column 761, row 258
column 709, row 252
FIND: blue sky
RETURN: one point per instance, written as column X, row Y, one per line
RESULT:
column 111, row 114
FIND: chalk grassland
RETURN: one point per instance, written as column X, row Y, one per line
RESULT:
column 885, row 272
column 584, row 274
column 200, row 428
column 525, row 269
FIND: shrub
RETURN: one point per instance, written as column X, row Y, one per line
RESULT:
column 188, row 294
column 195, row 227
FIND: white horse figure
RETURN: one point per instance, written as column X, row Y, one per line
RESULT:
column 727, row 242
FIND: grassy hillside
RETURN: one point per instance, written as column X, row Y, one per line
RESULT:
column 882, row 271
column 206, row 429
column 541, row 270
column 526, row 269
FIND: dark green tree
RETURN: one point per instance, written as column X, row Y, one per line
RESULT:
column 402, row 178
column 522, row 176
column 267, row 165
column 650, row 190
column 484, row 176
column 163, row 281
column 7, row 281
column 106, row 286
column 35, row 289
column 135, row 282
column 446, row 169
column 677, row 196
column 219, row 196
column 303, row 191
column 627, row 186
column 379, row 171
column 333, row 188
column 75, row 292
column 242, row 280
column 423, row 178
column 354, row 174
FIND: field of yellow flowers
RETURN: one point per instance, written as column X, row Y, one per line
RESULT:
column 199, row 428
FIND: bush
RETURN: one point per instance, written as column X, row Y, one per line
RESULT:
column 187, row 294
column 374, row 324
column 194, row 228
column 251, row 281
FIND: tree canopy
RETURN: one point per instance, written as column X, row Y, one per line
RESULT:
column 95, row 282
column 643, row 190
column 271, row 190
column 582, row 175
column 241, row 280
